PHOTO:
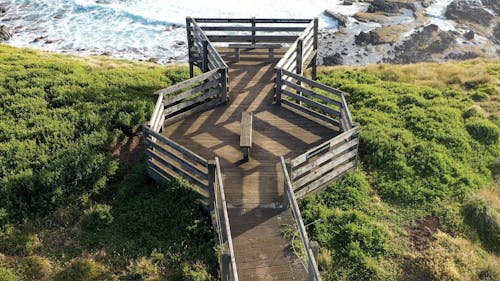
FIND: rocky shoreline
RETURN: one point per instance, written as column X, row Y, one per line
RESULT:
column 393, row 31
column 399, row 31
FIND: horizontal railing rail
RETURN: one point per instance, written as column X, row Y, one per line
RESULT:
column 289, row 201
column 227, row 262
column 167, row 160
column 325, row 163
column 252, row 30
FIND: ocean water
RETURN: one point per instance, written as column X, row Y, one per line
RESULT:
column 139, row 29
column 145, row 29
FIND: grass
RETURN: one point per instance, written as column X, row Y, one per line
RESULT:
column 70, row 209
column 428, row 154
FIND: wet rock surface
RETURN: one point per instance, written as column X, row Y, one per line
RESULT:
column 365, row 38
column 5, row 33
column 469, row 10
column 388, row 6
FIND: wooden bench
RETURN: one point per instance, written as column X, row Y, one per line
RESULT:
column 237, row 48
column 246, row 134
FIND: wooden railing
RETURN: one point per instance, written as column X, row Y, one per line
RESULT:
column 302, row 52
column 227, row 262
column 300, row 93
column 202, row 53
column 327, row 162
column 167, row 159
column 252, row 30
column 289, row 201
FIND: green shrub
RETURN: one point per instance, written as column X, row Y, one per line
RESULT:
column 19, row 242
column 485, row 219
column 83, row 270
column 97, row 218
column 479, row 96
column 483, row 131
column 473, row 111
column 8, row 275
column 33, row 268
column 195, row 272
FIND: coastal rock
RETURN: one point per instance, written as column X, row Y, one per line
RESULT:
column 5, row 33
column 341, row 19
column 365, row 38
column 469, row 10
column 469, row 35
column 347, row 2
column 422, row 44
column 493, row 5
column 389, row 6
column 496, row 34
column 461, row 56
column 3, row 10
column 427, row 3
column 331, row 60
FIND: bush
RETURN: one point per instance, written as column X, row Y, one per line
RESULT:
column 485, row 219
column 7, row 275
column 474, row 111
column 83, row 270
column 195, row 272
column 33, row 268
column 479, row 96
column 20, row 242
column 97, row 218
column 483, row 131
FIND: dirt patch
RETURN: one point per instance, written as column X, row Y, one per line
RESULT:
column 421, row 233
column 130, row 149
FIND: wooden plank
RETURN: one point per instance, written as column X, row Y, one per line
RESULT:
column 249, row 20
column 184, row 163
column 310, row 112
column 191, row 155
column 153, row 123
column 180, row 106
column 257, row 28
column 328, row 178
column 249, row 38
column 323, row 158
column 213, row 82
column 177, row 170
column 299, row 222
column 310, row 59
column 312, row 103
column 246, row 129
column 256, row 46
column 199, row 108
column 314, row 83
column 319, row 172
column 344, row 137
column 311, row 93
column 347, row 112
column 288, row 53
column 187, row 83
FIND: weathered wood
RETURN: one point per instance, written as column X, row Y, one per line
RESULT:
column 314, row 83
column 157, row 157
column 250, row 38
column 298, row 172
column 205, row 56
column 211, row 178
column 154, row 122
column 181, row 106
column 190, row 45
column 246, row 134
column 313, row 268
column 312, row 103
column 250, row 28
column 185, row 84
column 188, row 153
column 287, row 55
column 183, row 162
column 315, row 43
column 319, row 172
column 328, row 178
column 299, row 56
column 249, row 20
column 344, row 137
column 212, row 82
column 311, row 93
column 278, row 85
column 202, row 107
column 310, row 112
column 347, row 112
column 256, row 46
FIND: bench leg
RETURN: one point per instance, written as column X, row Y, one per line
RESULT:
column 237, row 54
column 271, row 53
column 246, row 152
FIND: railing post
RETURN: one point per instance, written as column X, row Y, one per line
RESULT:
column 224, row 98
column 211, row 184
column 315, row 48
column 278, row 85
column 315, row 249
column 190, row 46
column 205, row 55
column 300, row 43
column 253, row 31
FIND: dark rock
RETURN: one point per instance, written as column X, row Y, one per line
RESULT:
column 427, row 3
column 461, row 56
column 389, row 7
column 38, row 39
column 347, row 2
column 422, row 44
column 154, row 60
column 493, row 5
column 496, row 34
column 469, row 35
column 364, row 38
column 3, row 10
column 333, row 60
column 469, row 10
column 342, row 19
column 5, row 33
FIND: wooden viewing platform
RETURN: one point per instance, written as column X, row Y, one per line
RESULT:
column 252, row 202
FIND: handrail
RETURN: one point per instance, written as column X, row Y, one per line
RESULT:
column 233, row 274
column 292, row 203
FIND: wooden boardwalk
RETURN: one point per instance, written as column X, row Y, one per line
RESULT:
column 254, row 189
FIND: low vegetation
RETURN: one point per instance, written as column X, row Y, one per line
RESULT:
column 75, row 199
column 424, row 204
